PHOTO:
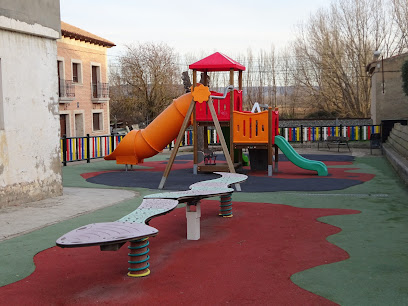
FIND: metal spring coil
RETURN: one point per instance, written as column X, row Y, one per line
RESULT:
column 226, row 205
column 138, row 255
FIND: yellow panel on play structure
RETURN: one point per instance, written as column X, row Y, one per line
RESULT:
column 201, row 93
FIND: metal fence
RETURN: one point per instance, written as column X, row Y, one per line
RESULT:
column 92, row 147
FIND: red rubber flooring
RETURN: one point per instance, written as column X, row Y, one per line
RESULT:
column 247, row 259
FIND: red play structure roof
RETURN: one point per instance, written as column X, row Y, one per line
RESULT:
column 217, row 62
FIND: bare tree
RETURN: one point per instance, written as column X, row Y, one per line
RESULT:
column 332, row 51
column 149, row 78
column 400, row 16
column 285, row 69
column 273, row 75
column 122, row 105
column 249, row 99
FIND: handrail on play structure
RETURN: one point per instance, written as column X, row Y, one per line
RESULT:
column 226, row 90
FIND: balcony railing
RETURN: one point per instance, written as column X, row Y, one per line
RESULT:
column 100, row 92
column 66, row 91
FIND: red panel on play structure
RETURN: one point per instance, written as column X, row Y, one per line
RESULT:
column 217, row 62
column 221, row 106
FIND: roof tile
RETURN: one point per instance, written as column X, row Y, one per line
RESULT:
column 73, row 32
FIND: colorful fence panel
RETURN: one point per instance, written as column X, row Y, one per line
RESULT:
column 318, row 133
column 88, row 147
column 212, row 138
column 92, row 147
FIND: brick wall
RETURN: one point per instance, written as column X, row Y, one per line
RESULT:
column 87, row 54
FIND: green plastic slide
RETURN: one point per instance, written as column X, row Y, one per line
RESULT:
column 299, row 160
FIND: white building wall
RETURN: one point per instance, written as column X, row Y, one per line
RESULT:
column 30, row 167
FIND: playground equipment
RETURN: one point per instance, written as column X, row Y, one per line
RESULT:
column 111, row 236
column 254, row 131
column 141, row 144
column 219, row 108
column 298, row 160
column 257, row 131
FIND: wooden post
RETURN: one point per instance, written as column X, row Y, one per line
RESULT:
column 231, row 116
column 240, row 88
column 270, row 147
column 222, row 140
column 205, row 83
column 177, row 144
column 195, row 139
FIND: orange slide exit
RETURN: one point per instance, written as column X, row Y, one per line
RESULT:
column 141, row 144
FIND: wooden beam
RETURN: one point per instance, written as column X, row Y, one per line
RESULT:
column 195, row 138
column 222, row 140
column 231, row 116
column 240, row 88
column 180, row 136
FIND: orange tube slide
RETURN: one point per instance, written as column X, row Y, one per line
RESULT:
column 141, row 144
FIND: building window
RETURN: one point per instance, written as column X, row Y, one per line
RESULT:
column 97, row 121
column 64, row 123
column 100, row 91
column 61, row 78
column 1, row 101
column 96, row 79
column 76, row 72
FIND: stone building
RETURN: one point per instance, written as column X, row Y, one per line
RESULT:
column 30, row 166
column 83, row 82
column 388, row 101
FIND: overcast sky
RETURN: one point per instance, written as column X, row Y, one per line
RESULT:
column 230, row 27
